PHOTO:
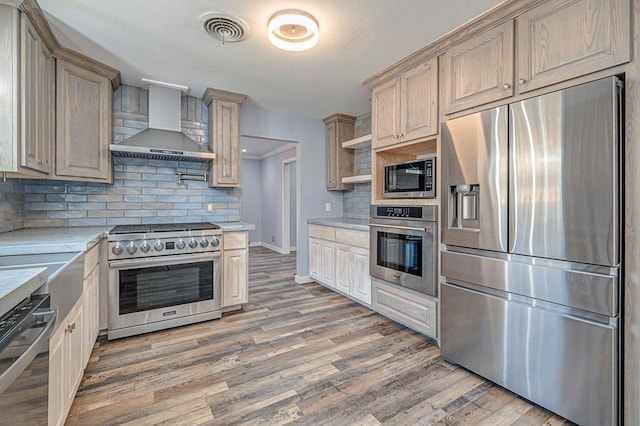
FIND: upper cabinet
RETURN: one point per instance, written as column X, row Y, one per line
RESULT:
column 84, row 109
column 561, row 39
column 224, row 136
column 553, row 42
column 339, row 128
column 479, row 70
column 55, row 125
column 406, row 108
column 27, row 106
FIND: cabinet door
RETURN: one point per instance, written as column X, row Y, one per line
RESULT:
column 385, row 112
column 32, row 71
column 332, row 146
column 235, row 277
column 84, row 124
column 419, row 95
column 361, row 278
column 226, row 128
column 57, row 377
column 480, row 69
column 327, row 269
column 91, row 312
column 46, row 110
column 314, row 258
column 563, row 39
column 73, row 356
column 344, row 268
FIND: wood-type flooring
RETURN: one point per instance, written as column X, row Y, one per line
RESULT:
column 294, row 354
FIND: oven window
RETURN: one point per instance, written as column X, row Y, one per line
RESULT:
column 402, row 253
column 143, row 289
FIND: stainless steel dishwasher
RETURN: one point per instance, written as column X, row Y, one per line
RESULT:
column 24, row 361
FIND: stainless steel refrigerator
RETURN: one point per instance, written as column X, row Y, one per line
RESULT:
column 532, row 252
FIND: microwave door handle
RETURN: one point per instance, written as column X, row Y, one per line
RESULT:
column 409, row 228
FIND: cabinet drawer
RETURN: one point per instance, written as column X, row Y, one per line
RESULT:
column 352, row 238
column 91, row 259
column 322, row 232
column 408, row 308
column 235, row 240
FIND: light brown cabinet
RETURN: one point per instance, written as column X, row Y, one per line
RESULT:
column 562, row 39
column 553, row 42
column 235, row 270
column 406, row 108
column 27, row 110
column 480, row 69
column 339, row 160
column 224, row 136
column 84, row 122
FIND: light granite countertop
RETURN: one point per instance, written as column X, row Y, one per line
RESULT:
column 341, row 222
column 17, row 284
column 236, row 226
column 51, row 240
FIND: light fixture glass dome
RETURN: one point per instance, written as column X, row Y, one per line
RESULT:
column 293, row 30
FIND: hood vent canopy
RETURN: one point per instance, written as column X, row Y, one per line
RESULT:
column 163, row 140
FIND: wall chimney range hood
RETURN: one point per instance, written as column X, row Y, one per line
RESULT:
column 163, row 140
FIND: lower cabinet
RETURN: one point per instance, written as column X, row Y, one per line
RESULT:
column 339, row 258
column 66, row 364
column 91, row 301
column 406, row 307
column 235, row 271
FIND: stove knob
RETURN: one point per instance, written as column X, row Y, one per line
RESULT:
column 204, row 243
column 215, row 242
column 158, row 246
column 131, row 248
column 180, row 244
column 145, row 247
column 192, row 243
column 117, row 249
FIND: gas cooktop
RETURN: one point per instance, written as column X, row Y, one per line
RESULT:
column 162, row 227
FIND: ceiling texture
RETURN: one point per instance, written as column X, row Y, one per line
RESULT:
column 164, row 40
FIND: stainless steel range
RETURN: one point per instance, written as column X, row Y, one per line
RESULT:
column 162, row 276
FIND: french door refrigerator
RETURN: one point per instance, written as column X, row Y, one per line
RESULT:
column 531, row 259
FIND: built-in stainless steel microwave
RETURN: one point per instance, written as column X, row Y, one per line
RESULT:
column 411, row 179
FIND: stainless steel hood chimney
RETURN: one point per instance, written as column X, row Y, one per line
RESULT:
column 163, row 140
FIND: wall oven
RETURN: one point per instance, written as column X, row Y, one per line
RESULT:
column 403, row 246
column 166, row 279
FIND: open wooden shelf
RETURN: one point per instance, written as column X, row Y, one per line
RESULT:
column 357, row 179
column 357, row 143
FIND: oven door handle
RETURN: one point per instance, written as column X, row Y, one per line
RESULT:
column 163, row 260
column 426, row 229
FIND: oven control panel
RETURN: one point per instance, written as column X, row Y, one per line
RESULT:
column 149, row 245
column 409, row 212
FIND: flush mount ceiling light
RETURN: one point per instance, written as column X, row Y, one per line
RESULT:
column 293, row 30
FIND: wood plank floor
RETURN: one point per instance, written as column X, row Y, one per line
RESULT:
column 295, row 353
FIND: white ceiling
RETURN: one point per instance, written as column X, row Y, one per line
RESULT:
column 163, row 40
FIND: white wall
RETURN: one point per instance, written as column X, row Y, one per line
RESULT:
column 252, row 197
column 293, row 206
column 272, row 198
column 311, row 173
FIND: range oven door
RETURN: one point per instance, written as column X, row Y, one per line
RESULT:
column 144, row 291
column 404, row 255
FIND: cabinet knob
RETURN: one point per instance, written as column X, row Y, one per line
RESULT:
column 522, row 81
column 506, row 86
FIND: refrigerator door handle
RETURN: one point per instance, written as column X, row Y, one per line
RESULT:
column 513, row 190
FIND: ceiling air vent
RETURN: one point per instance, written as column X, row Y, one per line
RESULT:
column 225, row 28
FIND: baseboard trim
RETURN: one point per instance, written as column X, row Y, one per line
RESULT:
column 274, row 248
column 303, row 279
